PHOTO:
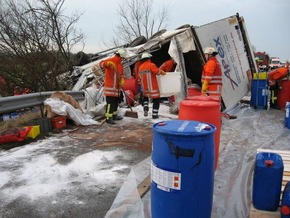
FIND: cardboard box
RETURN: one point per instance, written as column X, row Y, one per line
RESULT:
column 58, row 122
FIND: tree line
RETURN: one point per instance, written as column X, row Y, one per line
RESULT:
column 36, row 40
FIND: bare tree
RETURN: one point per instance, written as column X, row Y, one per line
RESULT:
column 35, row 43
column 137, row 19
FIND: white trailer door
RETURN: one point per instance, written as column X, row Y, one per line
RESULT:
column 226, row 37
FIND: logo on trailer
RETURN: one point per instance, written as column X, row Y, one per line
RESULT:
column 226, row 67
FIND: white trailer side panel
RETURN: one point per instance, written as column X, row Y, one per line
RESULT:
column 226, row 37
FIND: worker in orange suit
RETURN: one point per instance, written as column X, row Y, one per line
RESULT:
column 113, row 82
column 148, row 72
column 278, row 74
column 274, row 78
column 211, row 78
column 168, row 66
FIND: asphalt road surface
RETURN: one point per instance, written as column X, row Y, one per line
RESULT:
column 75, row 172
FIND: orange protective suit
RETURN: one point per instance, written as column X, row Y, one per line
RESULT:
column 113, row 75
column 168, row 66
column 211, row 79
column 136, row 71
column 148, row 71
column 114, row 80
column 277, row 74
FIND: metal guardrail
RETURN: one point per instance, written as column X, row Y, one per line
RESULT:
column 13, row 103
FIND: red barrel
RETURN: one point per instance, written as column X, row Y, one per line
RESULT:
column 283, row 94
column 131, row 84
column 203, row 111
column 204, row 98
column 193, row 90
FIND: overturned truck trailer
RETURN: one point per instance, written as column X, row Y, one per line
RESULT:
column 230, row 38
column 186, row 43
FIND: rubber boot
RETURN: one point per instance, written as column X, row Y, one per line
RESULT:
column 110, row 121
column 115, row 117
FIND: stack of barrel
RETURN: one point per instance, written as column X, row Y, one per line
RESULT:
column 184, row 159
column 203, row 109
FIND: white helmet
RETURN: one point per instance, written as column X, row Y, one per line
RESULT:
column 122, row 53
column 210, row 50
column 146, row 55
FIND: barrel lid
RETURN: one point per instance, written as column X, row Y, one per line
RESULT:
column 200, row 103
column 184, row 127
column 204, row 98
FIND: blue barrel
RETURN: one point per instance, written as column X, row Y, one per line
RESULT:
column 259, row 93
column 182, row 169
column 268, row 174
column 285, row 202
column 287, row 115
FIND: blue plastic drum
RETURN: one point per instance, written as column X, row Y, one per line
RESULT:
column 259, row 94
column 285, row 202
column 268, row 175
column 287, row 115
column 182, row 169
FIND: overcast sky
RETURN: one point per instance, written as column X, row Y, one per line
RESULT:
column 267, row 21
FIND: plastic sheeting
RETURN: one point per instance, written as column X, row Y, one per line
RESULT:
column 65, row 109
column 128, row 202
column 94, row 103
column 240, row 139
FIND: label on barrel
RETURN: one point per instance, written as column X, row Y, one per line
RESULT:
column 165, row 180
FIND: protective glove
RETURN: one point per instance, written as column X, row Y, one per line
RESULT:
column 121, row 82
column 204, row 87
column 111, row 65
column 162, row 72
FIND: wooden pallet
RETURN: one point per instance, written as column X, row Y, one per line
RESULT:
column 144, row 186
column 254, row 213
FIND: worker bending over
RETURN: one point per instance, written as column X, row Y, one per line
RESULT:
column 274, row 79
